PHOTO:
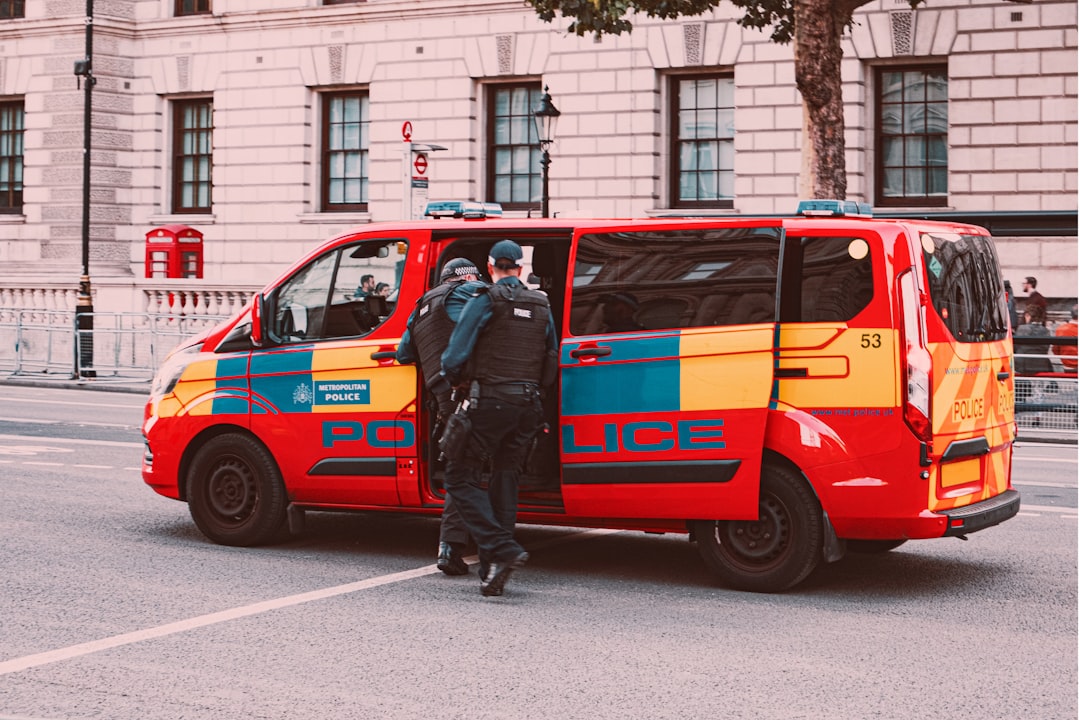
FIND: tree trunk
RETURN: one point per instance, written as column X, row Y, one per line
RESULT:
column 819, row 26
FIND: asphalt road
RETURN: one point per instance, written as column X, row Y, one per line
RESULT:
column 114, row 606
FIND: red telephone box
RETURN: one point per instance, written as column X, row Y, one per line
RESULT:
column 174, row 251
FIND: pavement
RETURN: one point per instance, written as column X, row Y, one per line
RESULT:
column 120, row 384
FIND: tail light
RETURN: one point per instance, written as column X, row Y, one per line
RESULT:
column 917, row 363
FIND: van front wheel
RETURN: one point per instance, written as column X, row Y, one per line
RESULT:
column 235, row 493
column 774, row 552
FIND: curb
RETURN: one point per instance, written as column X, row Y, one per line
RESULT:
column 117, row 385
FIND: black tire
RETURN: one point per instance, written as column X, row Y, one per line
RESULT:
column 235, row 493
column 873, row 547
column 778, row 550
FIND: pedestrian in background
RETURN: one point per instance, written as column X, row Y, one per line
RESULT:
column 426, row 335
column 1067, row 352
column 1034, row 326
column 503, row 350
column 1034, row 298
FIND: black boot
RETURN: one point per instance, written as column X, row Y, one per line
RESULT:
column 450, row 560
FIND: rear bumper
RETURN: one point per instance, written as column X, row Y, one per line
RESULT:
column 980, row 515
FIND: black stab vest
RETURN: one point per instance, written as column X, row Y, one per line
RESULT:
column 431, row 331
column 512, row 346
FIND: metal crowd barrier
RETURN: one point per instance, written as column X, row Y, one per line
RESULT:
column 1046, row 389
column 122, row 346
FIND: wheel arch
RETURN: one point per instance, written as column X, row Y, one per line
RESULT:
column 200, row 440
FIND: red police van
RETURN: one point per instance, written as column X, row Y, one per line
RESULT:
column 780, row 389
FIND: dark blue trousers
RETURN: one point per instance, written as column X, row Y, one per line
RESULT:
column 501, row 432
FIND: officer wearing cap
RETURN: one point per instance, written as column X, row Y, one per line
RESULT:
column 426, row 334
column 504, row 350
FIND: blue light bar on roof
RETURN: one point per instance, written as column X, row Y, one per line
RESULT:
column 470, row 209
column 834, row 208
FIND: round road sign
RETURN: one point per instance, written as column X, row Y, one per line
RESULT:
column 420, row 163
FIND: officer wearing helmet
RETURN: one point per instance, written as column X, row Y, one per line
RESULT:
column 426, row 335
column 503, row 350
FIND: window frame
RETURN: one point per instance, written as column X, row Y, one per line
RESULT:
column 199, row 7
column 12, row 9
column 180, row 132
column 325, row 163
column 674, row 142
column 904, row 200
column 535, row 173
column 11, row 199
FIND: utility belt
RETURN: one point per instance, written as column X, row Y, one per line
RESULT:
column 511, row 391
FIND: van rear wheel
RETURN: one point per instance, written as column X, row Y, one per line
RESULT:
column 235, row 493
column 774, row 552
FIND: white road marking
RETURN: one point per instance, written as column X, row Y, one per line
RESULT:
column 1049, row 508
column 1068, row 461
column 1025, row 483
column 87, row 648
column 96, row 467
column 81, row 423
column 36, row 401
column 46, row 464
column 73, row 441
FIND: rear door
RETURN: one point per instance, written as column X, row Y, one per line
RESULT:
column 328, row 400
column 666, row 370
column 972, row 370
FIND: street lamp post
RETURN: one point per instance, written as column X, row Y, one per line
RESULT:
column 84, row 304
column 546, row 117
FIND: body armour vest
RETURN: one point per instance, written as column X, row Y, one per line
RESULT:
column 513, row 345
column 431, row 331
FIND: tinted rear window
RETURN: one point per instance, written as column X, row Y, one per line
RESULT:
column 633, row 281
column 965, row 285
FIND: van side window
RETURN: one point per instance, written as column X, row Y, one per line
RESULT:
column 837, row 278
column 660, row 280
column 347, row 292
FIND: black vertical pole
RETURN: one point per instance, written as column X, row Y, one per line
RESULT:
column 84, row 308
column 545, row 163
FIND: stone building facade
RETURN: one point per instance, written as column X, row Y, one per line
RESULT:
column 273, row 76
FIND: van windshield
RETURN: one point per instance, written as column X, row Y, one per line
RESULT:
column 965, row 285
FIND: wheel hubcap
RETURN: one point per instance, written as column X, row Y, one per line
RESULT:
column 761, row 540
column 231, row 491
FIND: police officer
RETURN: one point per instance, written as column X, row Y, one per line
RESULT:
column 426, row 335
column 504, row 350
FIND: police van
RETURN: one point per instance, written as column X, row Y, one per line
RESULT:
column 780, row 389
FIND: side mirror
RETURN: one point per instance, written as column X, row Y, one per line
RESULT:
column 257, row 311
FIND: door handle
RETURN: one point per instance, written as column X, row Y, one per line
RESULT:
column 792, row 372
column 1004, row 375
column 598, row 351
column 384, row 355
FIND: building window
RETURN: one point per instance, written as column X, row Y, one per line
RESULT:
column 346, row 136
column 513, row 157
column 11, row 156
column 192, row 7
column 12, row 8
column 193, row 131
column 703, row 141
column 912, row 158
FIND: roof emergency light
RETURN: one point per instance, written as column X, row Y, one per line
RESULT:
column 834, row 208
column 468, row 209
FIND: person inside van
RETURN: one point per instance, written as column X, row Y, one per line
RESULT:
column 1034, row 326
column 367, row 286
column 619, row 309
